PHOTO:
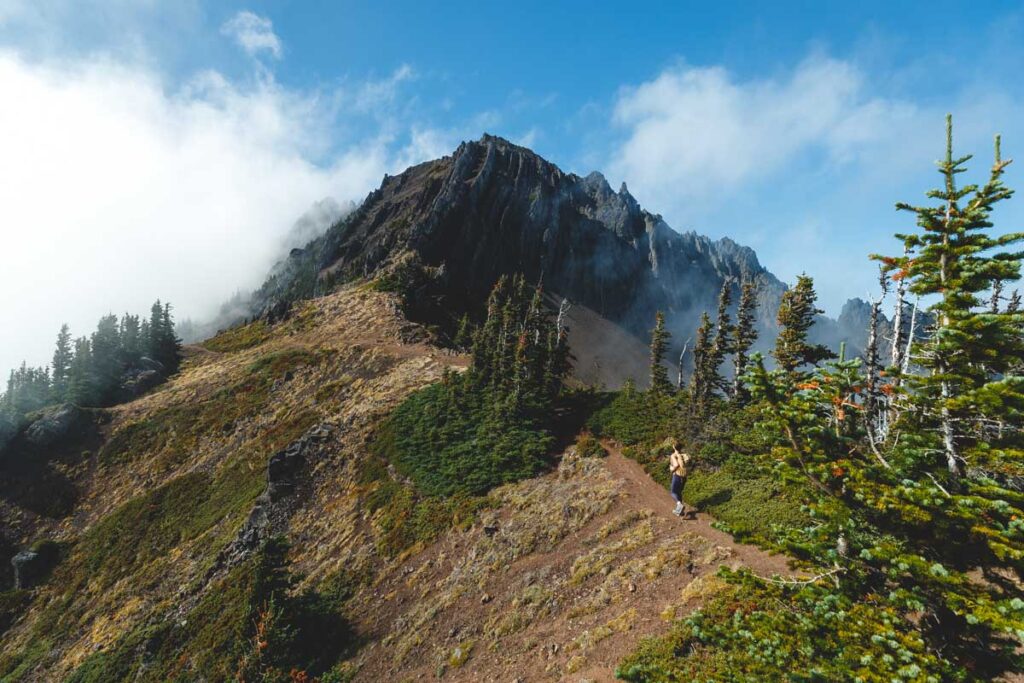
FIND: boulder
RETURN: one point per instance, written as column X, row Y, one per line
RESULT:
column 53, row 424
column 137, row 383
column 33, row 566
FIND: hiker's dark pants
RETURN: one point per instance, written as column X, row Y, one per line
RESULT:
column 677, row 487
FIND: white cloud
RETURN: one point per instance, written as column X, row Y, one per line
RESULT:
column 805, row 166
column 253, row 33
column 693, row 132
column 116, row 189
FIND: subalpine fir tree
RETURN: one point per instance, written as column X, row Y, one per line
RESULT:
column 61, row 365
column 930, row 538
column 660, row 384
column 81, row 382
column 131, row 343
column 745, row 336
column 701, row 385
column 106, row 355
column 967, row 394
column 463, row 335
column 723, row 343
column 796, row 316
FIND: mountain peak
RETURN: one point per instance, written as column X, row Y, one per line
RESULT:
column 495, row 208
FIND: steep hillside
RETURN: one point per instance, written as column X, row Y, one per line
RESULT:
column 265, row 433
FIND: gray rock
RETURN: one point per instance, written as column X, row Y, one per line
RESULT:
column 32, row 567
column 53, row 424
column 137, row 383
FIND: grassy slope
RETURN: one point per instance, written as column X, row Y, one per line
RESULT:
column 182, row 466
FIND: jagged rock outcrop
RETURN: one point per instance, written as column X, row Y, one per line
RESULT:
column 495, row 208
column 270, row 512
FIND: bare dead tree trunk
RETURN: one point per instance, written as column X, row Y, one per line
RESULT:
column 872, row 350
column 945, row 389
column 910, row 338
column 563, row 310
column 897, row 318
column 682, row 358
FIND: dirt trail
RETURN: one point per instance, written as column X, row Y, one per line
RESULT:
column 644, row 492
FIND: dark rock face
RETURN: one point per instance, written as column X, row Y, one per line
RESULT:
column 493, row 208
column 53, row 425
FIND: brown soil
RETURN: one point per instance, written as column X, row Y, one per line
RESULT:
column 649, row 567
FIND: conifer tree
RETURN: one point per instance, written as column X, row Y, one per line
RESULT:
column 81, row 383
column 924, row 527
column 700, row 383
column 723, row 343
column 464, row 335
column 970, row 350
column 660, row 384
column 131, row 343
column 106, row 356
column 797, row 312
column 745, row 336
column 61, row 366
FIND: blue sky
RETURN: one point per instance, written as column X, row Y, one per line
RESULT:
column 205, row 128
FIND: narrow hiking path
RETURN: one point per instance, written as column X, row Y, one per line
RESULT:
column 643, row 492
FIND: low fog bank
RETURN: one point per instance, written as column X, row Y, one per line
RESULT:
column 120, row 189
column 239, row 307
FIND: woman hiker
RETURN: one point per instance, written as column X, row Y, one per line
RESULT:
column 679, row 466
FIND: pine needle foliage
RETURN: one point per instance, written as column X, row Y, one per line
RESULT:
column 491, row 424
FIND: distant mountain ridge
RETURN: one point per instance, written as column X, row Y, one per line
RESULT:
column 494, row 208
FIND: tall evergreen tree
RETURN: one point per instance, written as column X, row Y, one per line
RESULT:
column 660, row 384
column 61, row 366
column 81, row 381
column 970, row 351
column 701, row 385
column 797, row 312
column 723, row 343
column 925, row 527
column 745, row 336
column 106, row 356
column 131, row 341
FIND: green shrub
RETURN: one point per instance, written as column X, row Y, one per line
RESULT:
column 589, row 447
column 761, row 632
column 748, row 506
column 451, row 441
